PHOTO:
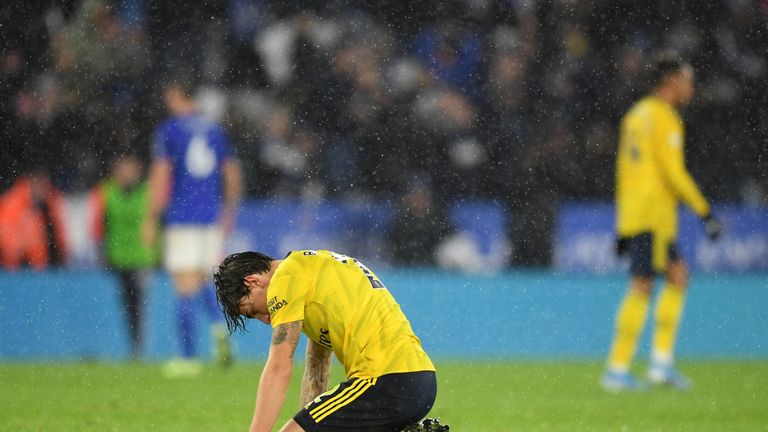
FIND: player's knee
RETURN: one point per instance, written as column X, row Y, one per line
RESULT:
column 678, row 274
column 420, row 401
column 187, row 283
column 642, row 284
column 292, row 426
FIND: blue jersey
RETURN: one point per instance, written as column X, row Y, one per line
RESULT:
column 196, row 149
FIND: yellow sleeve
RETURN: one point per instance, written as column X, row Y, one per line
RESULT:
column 286, row 299
column 672, row 160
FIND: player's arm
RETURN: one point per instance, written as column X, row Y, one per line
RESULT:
column 672, row 161
column 159, row 182
column 316, row 372
column 233, row 192
column 275, row 377
column 159, row 186
column 669, row 140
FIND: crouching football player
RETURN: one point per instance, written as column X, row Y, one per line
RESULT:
column 343, row 308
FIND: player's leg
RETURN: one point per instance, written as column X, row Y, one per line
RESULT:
column 211, row 255
column 211, row 250
column 387, row 403
column 291, row 426
column 222, row 346
column 187, row 285
column 131, row 290
column 181, row 258
column 631, row 315
column 669, row 310
column 630, row 320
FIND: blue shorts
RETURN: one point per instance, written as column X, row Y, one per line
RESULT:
column 384, row 404
column 640, row 248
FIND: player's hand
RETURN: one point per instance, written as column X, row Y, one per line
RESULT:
column 712, row 226
column 621, row 245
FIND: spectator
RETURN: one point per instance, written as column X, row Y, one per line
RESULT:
column 420, row 225
column 32, row 230
column 93, row 51
column 453, row 55
column 372, row 91
column 120, row 206
column 291, row 155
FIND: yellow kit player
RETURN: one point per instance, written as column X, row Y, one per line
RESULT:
column 343, row 308
column 651, row 179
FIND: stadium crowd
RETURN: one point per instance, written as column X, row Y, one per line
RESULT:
column 511, row 100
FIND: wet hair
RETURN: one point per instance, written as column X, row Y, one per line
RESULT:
column 229, row 278
column 663, row 65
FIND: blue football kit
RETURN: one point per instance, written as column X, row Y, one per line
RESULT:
column 197, row 150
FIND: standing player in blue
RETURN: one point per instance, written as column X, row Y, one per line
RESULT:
column 196, row 185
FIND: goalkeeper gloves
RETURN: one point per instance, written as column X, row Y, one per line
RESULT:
column 712, row 226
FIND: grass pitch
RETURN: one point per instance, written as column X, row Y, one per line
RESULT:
column 473, row 397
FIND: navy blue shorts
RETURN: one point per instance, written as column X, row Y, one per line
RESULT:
column 384, row 404
column 639, row 249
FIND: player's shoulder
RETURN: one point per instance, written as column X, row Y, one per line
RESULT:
column 168, row 124
column 652, row 108
column 309, row 262
column 310, row 254
column 660, row 109
column 642, row 105
column 635, row 110
column 297, row 263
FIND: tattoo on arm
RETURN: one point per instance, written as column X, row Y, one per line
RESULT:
column 287, row 333
column 280, row 334
column 316, row 372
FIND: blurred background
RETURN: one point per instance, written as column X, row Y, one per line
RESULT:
column 416, row 105
column 473, row 136
column 463, row 149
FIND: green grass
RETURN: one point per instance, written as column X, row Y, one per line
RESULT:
column 473, row 397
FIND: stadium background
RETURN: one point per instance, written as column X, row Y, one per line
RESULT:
column 504, row 112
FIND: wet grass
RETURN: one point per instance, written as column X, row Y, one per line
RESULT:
column 473, row 397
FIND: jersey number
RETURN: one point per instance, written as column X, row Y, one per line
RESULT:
column 375, row 282
column 200, row 158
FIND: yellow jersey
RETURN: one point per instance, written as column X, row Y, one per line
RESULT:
column 345, row 307
column 651, row 177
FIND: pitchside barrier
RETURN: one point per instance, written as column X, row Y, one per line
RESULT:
column 486, row 311
column 584, row 240
column 77, row 316
column 358, row 228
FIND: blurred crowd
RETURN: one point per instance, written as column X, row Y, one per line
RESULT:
column 512, row 100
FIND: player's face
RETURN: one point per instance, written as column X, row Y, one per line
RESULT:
column 174, row 99
column 254, row 313
column 128, row 171
column 254, row 305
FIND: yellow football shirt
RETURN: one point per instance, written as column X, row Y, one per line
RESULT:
column 651, row 178
column 346, row 308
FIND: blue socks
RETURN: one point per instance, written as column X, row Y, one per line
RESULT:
column 187, row 321
column 187, row 318
column 208, row 295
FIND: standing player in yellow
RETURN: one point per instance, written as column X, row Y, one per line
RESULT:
column 343, row 308
column 651, row 179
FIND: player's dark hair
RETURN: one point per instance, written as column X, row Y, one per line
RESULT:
column 229, row 278
column 663, row 64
